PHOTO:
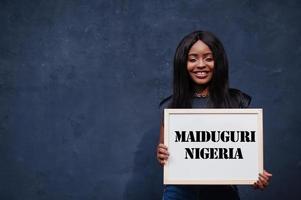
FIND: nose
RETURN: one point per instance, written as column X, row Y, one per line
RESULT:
column 201, row 63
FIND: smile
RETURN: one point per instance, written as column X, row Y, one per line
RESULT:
column 201, row 74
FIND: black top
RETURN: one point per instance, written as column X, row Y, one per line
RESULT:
column 238, row 99
column 197, row 102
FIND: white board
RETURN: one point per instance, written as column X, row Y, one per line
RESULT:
column 220, row 168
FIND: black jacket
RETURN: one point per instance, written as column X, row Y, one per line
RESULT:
column 239, row 98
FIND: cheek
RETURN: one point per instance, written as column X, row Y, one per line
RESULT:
column 211, row 65
column 189, row 66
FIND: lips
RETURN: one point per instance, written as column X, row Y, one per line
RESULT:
column 201, row 74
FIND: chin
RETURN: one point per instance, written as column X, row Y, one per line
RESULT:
column 201, row 82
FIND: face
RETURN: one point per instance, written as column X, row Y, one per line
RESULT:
column 200, row 63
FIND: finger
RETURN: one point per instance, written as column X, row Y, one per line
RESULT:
column 266, row 178
column 267, row 173
column 256, row 186
column 263, row 181
column 163, row 151
column 161, row 145
column 162, row 156
column 260, row 185
column 162, row 162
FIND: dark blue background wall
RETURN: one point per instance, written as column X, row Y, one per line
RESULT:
column 80, row 83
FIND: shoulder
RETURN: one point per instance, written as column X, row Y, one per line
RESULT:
column 165, row 102
column 240, row 98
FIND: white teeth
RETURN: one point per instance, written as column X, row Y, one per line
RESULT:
column 201, row 73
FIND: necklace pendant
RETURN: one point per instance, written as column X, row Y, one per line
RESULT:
column 200, row 95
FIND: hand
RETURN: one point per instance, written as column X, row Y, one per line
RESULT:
column 263, row 180
column 162, row 154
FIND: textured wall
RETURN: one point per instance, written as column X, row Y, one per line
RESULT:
column 80, row 83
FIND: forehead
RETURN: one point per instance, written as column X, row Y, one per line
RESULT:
column 199, row 48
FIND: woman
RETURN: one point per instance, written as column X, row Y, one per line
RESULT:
column 200, row 80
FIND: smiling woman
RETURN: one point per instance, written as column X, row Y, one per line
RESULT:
column 200, row 80
column 201, row 69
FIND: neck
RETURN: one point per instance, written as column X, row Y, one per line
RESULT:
column 201, row 90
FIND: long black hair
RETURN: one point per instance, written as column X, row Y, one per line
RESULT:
column 183, row 86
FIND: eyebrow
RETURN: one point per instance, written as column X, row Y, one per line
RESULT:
column 195, row 54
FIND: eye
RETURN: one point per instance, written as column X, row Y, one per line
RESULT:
column 192, row 60
column 209, row 59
